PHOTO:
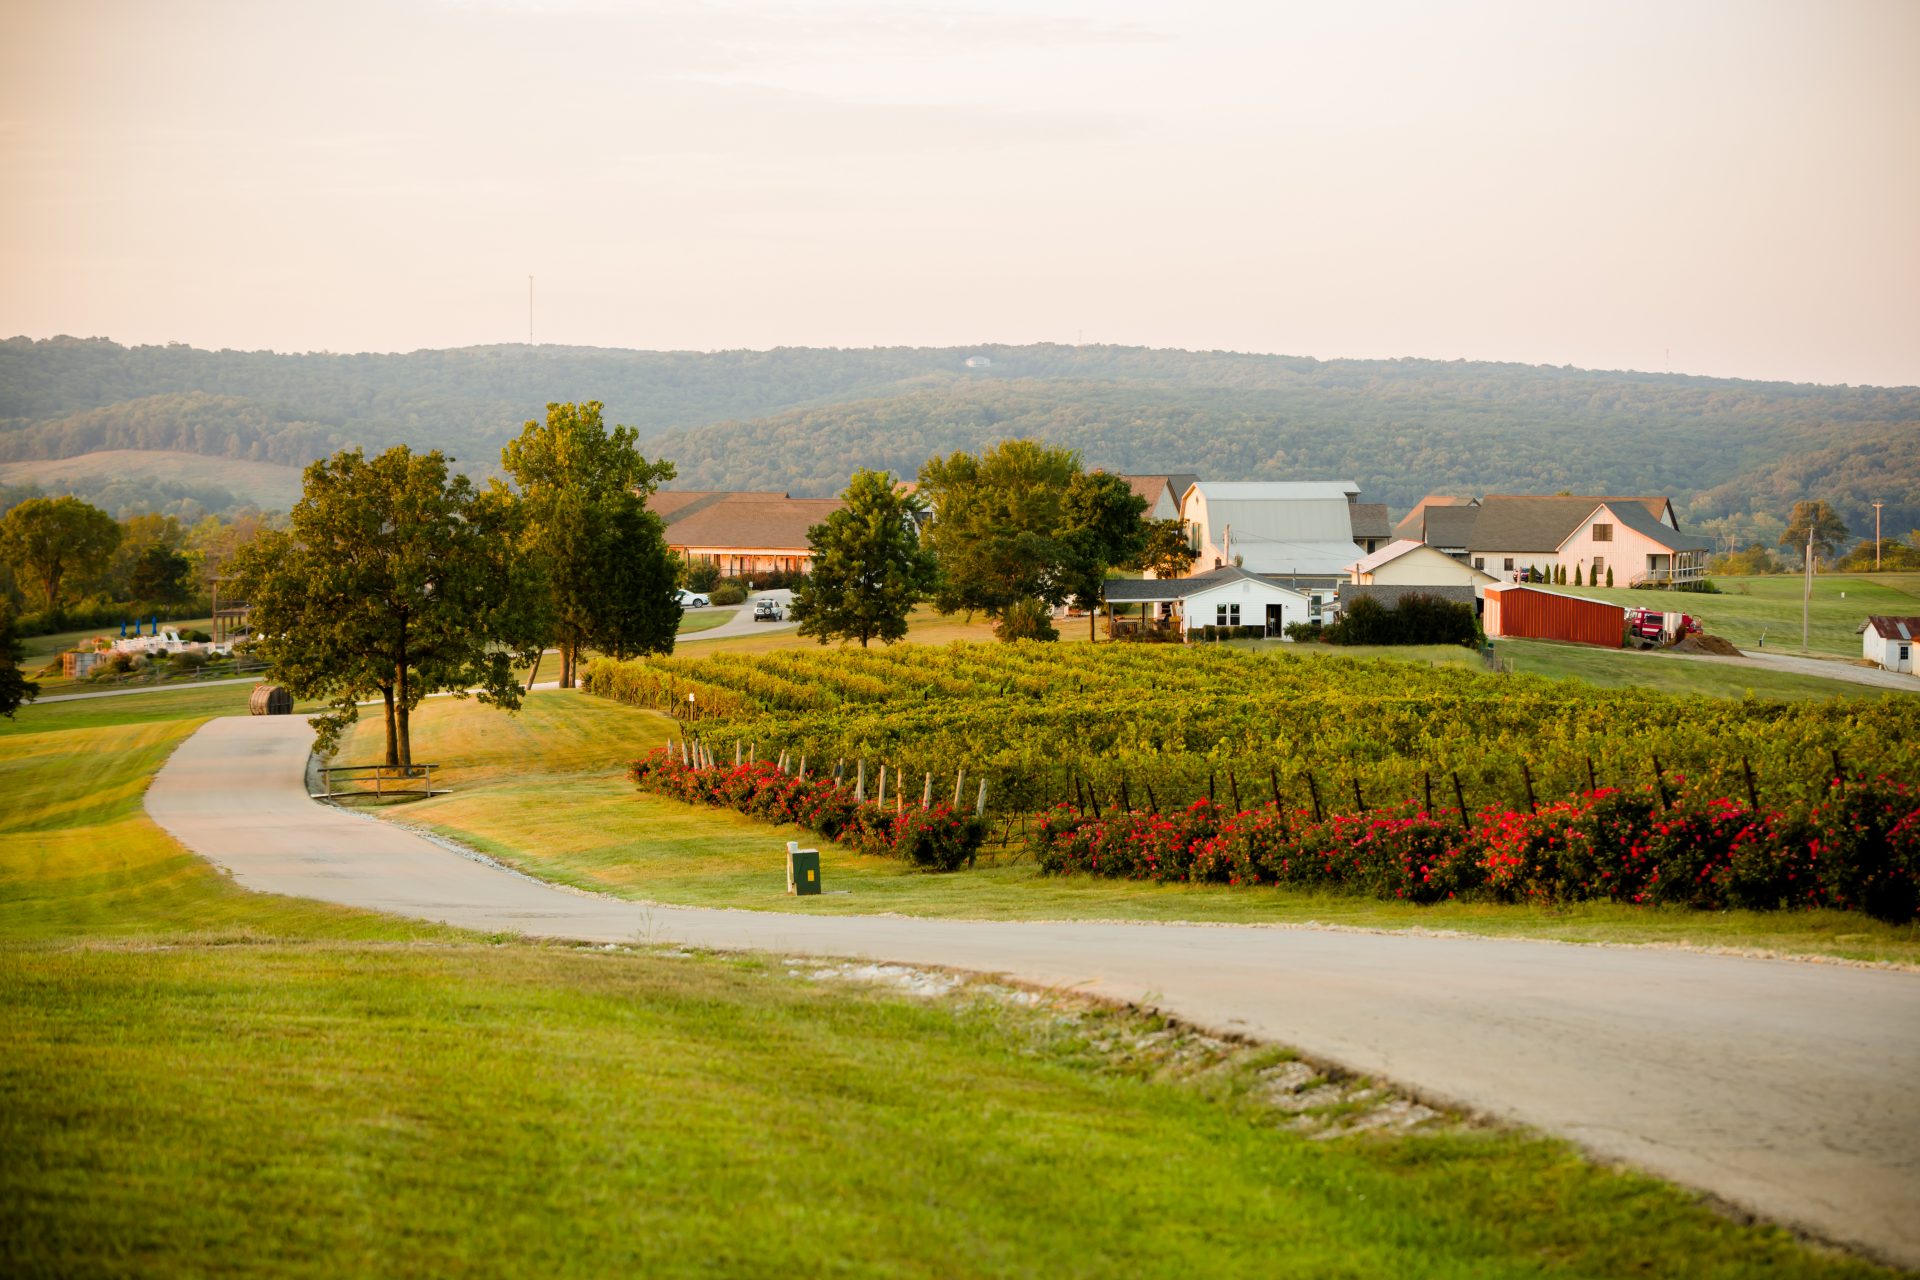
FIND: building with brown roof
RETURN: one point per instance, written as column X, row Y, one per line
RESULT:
column 1162, row 493
column 1890, row 642
column 742, row 534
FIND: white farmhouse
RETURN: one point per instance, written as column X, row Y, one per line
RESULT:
column 1890, row 642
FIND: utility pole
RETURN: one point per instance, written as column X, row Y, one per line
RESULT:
column 1876, row 535
column 1806, row 596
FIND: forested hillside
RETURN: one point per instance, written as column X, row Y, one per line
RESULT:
column 802, row 419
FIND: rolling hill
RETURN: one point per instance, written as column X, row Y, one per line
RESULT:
column 802, row 419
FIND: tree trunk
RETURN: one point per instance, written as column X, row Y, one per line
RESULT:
column 401, row 718
column 569, row 652
column 1093, row 613
column 393, row 739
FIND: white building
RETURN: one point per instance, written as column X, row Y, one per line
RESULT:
column 1890, row 642
column 1408, row 563
column 1278, row 528
column 1226, row 597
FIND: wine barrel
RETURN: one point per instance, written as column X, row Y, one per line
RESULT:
column 270, row 700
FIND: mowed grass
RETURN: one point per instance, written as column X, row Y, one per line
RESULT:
column 199, row 1080
column 544, row 791
column 1749, row 611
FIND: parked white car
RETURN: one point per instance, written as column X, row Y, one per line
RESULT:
column 691, row 600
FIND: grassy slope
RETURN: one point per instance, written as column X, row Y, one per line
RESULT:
column 268, row 485
column 1748, row 608
column 543, row 791
column 1615, row 669
column 195, row 1079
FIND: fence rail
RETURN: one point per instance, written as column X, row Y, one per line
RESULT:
column 387, row 779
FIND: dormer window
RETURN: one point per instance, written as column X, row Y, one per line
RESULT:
column 1603, row 533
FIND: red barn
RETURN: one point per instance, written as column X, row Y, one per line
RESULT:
column 1522, row 612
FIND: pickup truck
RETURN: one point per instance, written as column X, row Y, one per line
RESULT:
column 767, row 611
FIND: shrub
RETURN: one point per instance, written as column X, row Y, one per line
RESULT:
column 938, row 838
column 1859, row 850
column 1026, row 620
column 700, row 575
column 1415, row 619
column 730, row 591
column 188, row 659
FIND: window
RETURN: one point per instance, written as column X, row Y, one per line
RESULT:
column 1226, row 615
column 1603, row 533
column 1508, row 565
column 1599, row 564
column 1480, row 562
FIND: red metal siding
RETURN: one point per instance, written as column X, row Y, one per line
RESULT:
column 1524, row 613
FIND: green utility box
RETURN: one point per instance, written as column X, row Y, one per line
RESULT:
column 803, row 869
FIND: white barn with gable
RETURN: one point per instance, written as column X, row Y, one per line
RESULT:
column 1301, row 528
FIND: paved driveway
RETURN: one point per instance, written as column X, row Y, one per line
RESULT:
column 1786, row 1088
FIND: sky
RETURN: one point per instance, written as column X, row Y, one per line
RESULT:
column 1728, row 188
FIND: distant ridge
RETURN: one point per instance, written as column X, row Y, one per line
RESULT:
column 799, row 419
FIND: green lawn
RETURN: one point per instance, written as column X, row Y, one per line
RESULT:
column 543, row 791
column 199, row 1080
column 1765, row 612
column 196, row 1079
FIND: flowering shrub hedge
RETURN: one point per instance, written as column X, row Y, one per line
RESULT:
column 1856, row 850
column 938, row 837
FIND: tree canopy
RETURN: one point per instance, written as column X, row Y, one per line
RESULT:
column 869, row 568
column 395, row 579
column 15, row 688
column 996, row 522
column 49, row 540
column 1814, row 517
column 609, row 578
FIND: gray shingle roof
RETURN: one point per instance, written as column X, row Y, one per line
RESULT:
column 1515, row 522
column 1637, row 518
column 1451, row 526
column 1138, row 590
column 1370, row 520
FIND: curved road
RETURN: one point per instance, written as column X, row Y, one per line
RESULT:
column 1785, row 1088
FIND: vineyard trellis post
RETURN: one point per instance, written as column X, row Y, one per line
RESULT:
column 1593, row 783
column 1233, row 788
column 900, row 789
column 1209, row 786
column 926, row 793
column 1126, row 799
column 1526, row 776
column 1273, row 780
column 1659, row 780
column 1313, row 793
column 1153, row 805
column 1839, row 769
column 1359, row 805
column 736, row 753
column 1753, row 791
column 1460, row 798
column 860, row 780
column 980, row 801
column 881, row 799
column 1426, row 781
column 959, row 781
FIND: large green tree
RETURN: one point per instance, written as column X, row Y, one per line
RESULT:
column 1104, row 525
column 1022, row 525
column 395, row 579
column 1167, row 552
column 53, row 540
column 996, row 525
column 1816, row 517
column 869, row 568
column 15, row 688
column 161, row 575
column 610, row 578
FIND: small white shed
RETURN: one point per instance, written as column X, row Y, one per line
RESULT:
column 1227, row 597
column 1890, row 642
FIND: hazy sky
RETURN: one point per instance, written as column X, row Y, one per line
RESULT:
column 1600, row 184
